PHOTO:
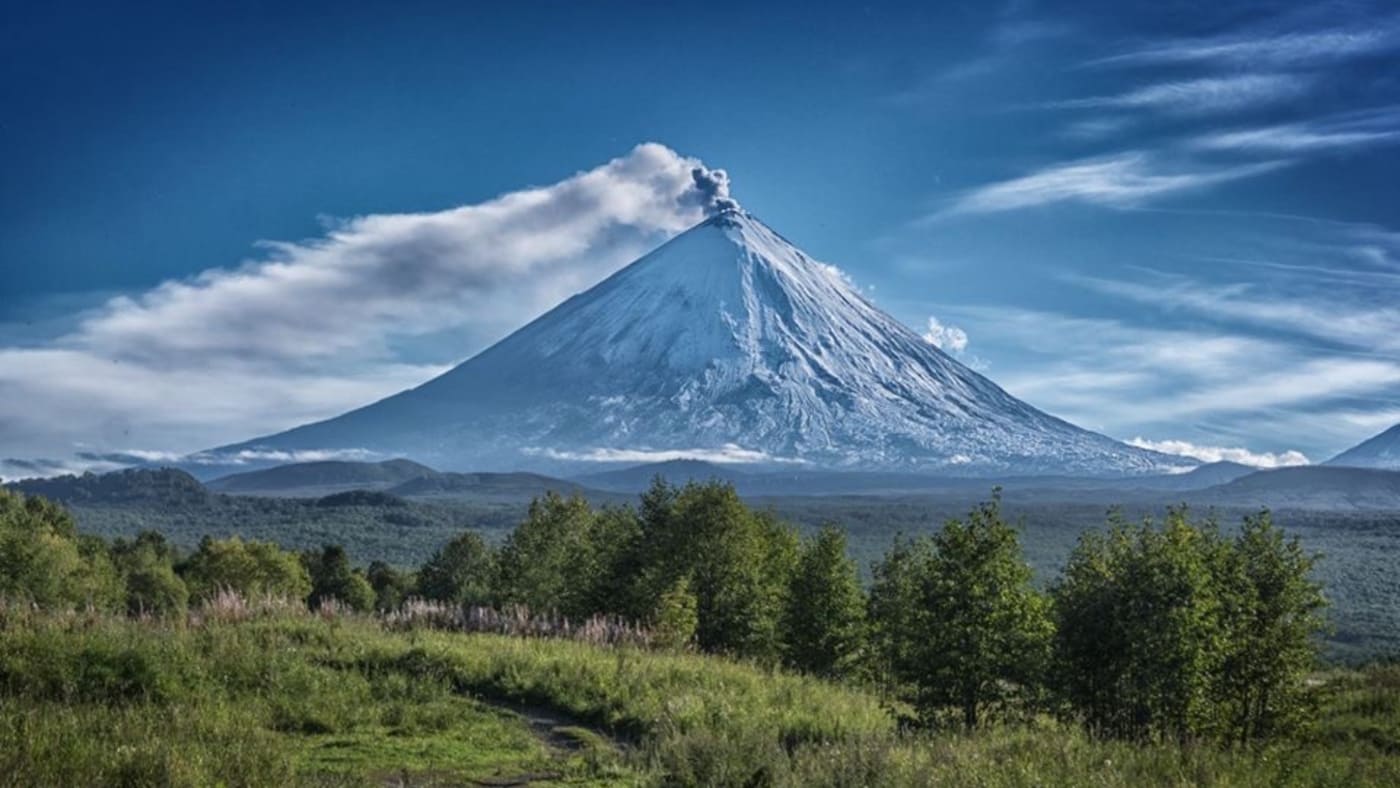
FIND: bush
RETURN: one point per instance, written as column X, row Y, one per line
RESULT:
column 251, row 569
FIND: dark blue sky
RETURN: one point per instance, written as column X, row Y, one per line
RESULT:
column 1163, row 220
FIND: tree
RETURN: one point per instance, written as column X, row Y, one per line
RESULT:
column 147, row 566
column 549, row 561
column 896, row 613
column 988, row 632
column 460, row 573
column 252, row 569
column 737, row 562
column 391, row 586
column 1142, row 631
column 43, row 559
column 1273, row 615
column 332, row 577
column 824, row 618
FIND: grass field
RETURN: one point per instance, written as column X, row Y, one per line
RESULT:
column 285, row 697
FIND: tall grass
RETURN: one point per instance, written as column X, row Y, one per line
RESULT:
column 255, row 694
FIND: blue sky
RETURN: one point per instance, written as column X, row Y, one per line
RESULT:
column 1167, row 221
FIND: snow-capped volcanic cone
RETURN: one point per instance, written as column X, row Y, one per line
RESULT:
column 725, row 343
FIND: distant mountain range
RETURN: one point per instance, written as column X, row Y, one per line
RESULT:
column 390, row 484
column 397, row 477
column 727, row 342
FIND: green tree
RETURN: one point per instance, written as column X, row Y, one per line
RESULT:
column 987, row 630
column 147, row 566
column 1273, row 615
column 897, row 617
column 615, row 562
column 738, row 563
column 460, row 573
column 332, row 577
column 549, row 562
column 1141, row 629
column 824, row 619
column 43, row 560
column 252, row 569
column 391, row 586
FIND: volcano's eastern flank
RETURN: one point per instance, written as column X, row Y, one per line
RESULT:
column 725, row 343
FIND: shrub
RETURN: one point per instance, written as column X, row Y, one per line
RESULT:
column 250, row 569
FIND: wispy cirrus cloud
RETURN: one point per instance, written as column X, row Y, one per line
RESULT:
column 1120, row 180
column 1201, row 96
column 1202, row 385
column 1355, row 130
column 1365, row 327
column 1279, row 49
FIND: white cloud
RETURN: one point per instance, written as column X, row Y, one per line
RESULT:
column 1322, row 316
column 1279, row 50
column 1201, row 96
column 1223, row 454
column 1120, row 180
column 950, row 339
column 369, row 278
column 726, row 454
column 1199, row 384
column 1351, row 131
column 316, row 327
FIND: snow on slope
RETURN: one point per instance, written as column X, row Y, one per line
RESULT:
column 725, row 343
column 1380, row 451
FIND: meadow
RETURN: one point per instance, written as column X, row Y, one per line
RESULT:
column 272, row 694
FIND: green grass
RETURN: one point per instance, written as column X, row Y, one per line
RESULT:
column 294, row 699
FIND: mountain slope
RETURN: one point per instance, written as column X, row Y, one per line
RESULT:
column 319, row 478
column 1310, row 487
column 725, row 341
column 1381, row 451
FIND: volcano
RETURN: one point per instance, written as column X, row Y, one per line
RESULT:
column 727, row 344
column 1380, row 451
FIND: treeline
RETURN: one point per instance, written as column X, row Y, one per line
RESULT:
column 1153, row 630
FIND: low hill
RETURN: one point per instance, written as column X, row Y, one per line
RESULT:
column 164, row 487
column 513, row 485
column 1208, row 475
column 312, row 479
column 639, row 477
column 1310, row 487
